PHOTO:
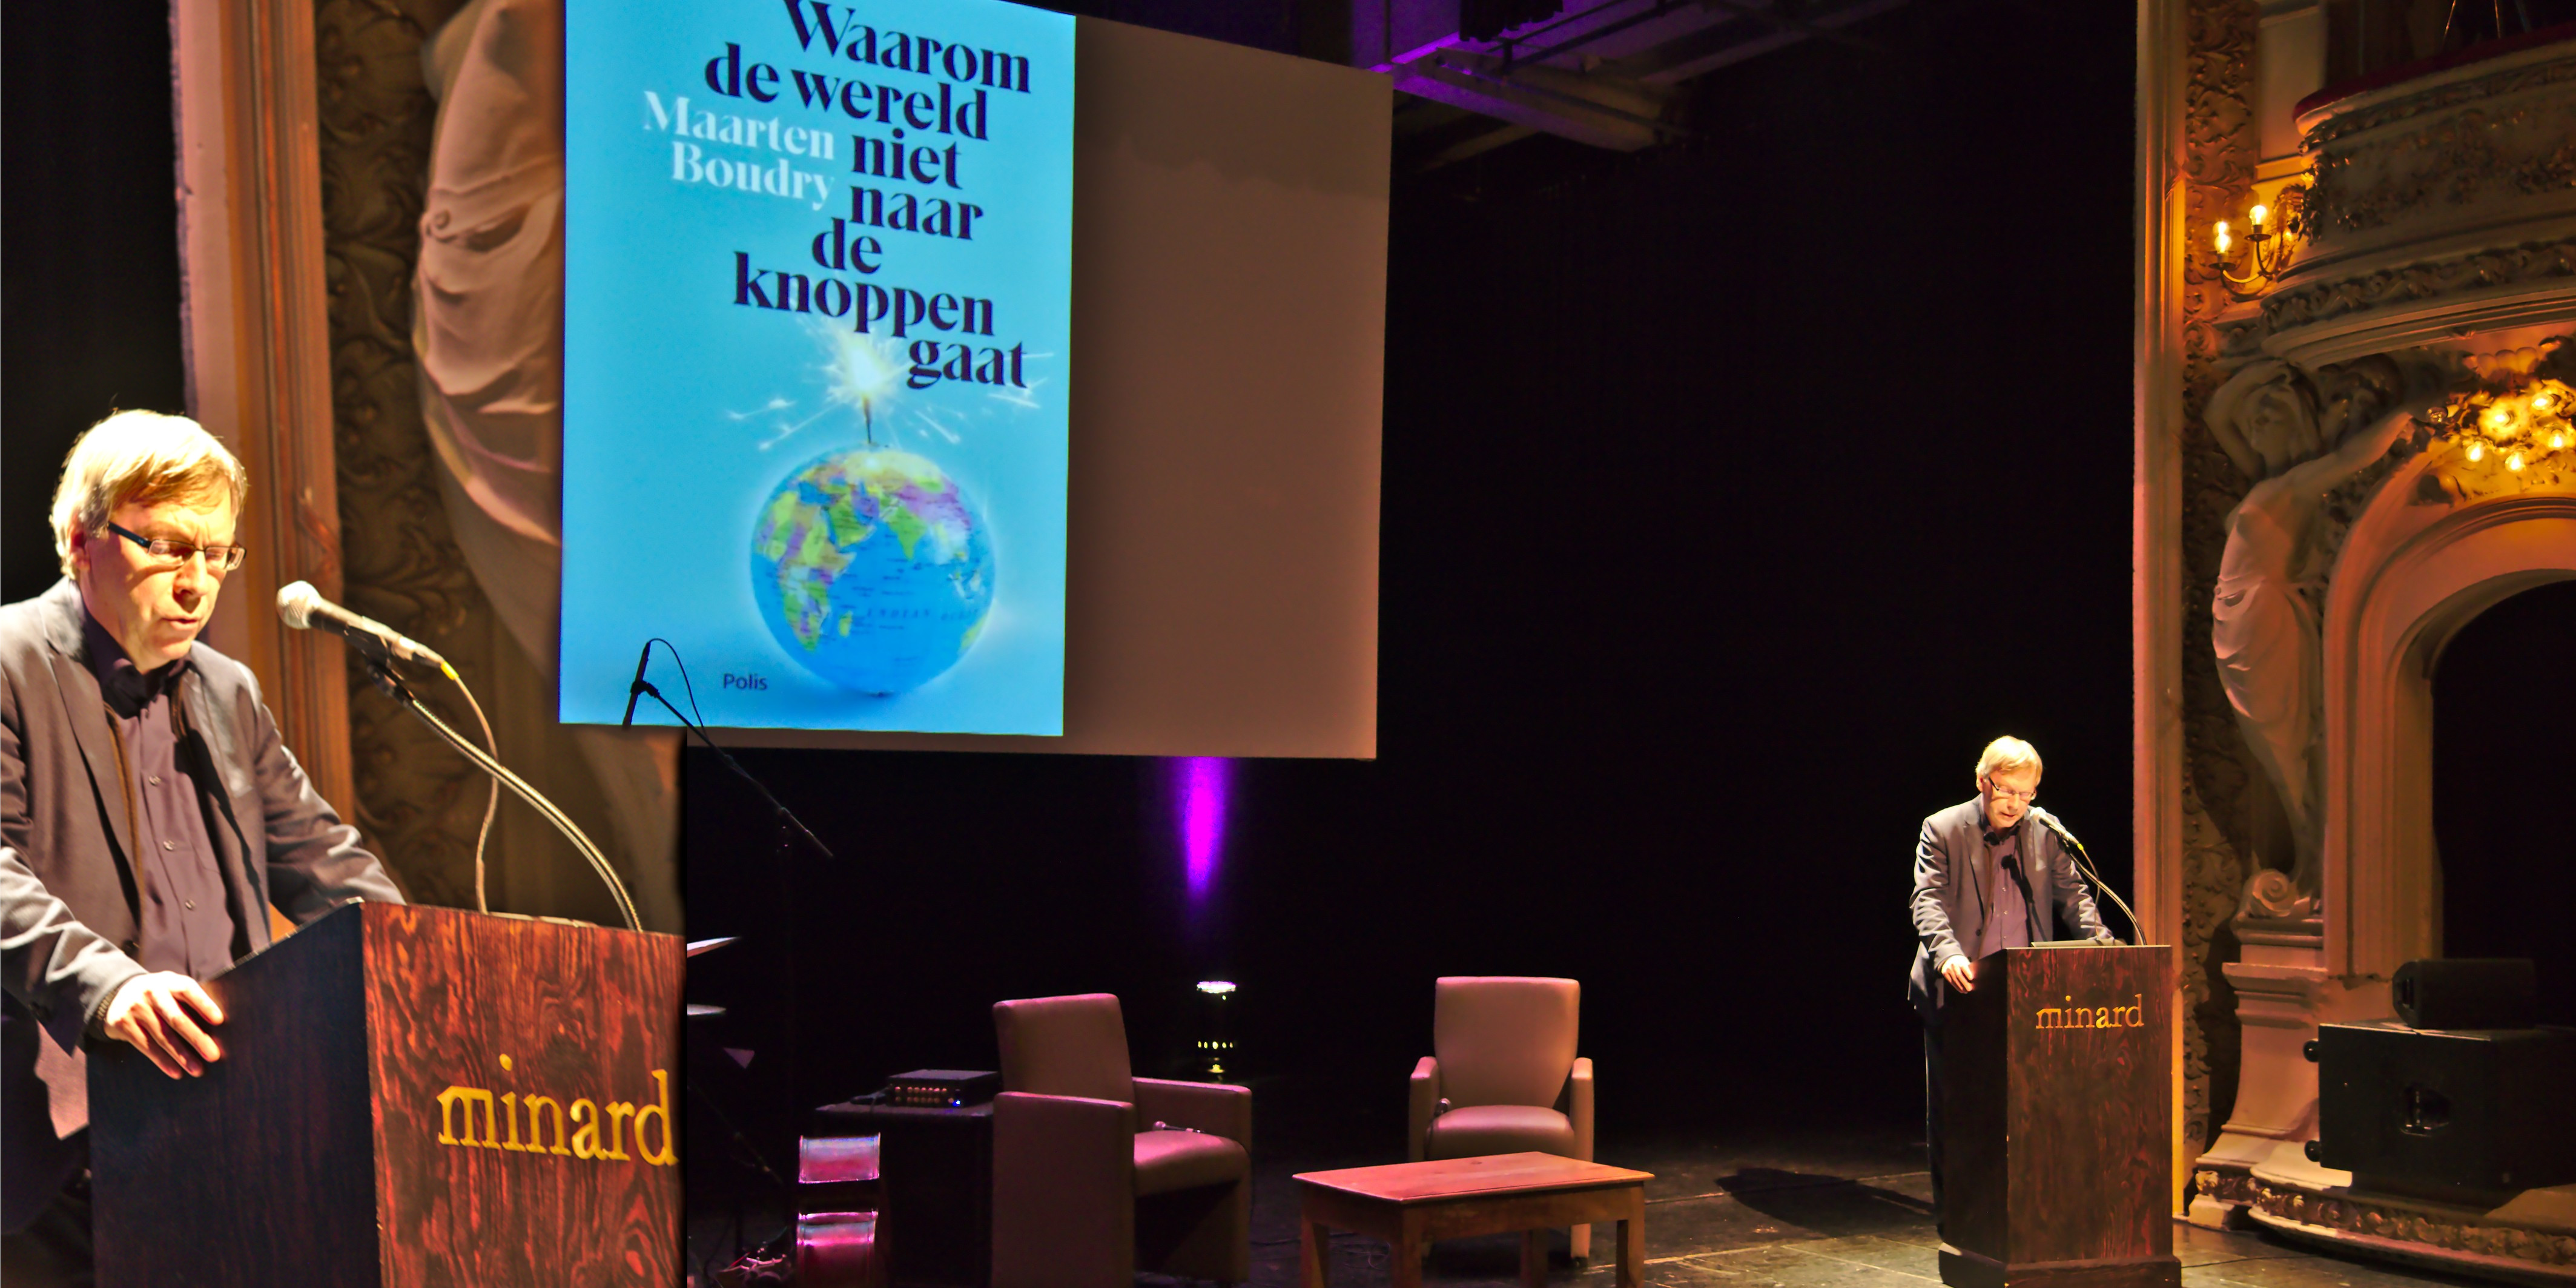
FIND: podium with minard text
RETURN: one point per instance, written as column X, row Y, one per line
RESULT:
column 2057, row 1117
column 408, row 1096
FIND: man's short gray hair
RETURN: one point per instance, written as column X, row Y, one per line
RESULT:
column 2008, row 755
column 140, row 457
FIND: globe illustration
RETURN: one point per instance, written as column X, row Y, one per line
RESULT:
column 872, row 569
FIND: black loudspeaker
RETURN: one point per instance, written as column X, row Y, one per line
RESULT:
column 2467, row 993
column 2487, row 1110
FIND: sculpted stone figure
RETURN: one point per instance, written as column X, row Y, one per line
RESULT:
column 2266, row 611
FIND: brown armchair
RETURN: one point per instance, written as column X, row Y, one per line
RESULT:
column 1505, row 1078
column 1096, row 1172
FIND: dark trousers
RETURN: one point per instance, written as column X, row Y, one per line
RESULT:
column 1932, row 1102
column 54, row 1250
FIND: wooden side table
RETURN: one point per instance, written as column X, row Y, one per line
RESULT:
column 1410, row 1204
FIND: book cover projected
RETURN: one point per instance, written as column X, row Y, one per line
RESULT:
column 816, row 336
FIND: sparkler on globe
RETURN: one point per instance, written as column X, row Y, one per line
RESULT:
column 873, row 569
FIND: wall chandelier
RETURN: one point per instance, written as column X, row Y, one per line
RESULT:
column 2520, row 426
column 2266, row 250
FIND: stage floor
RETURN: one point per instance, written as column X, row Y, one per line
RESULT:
column 1801, row 1206
column 1814, row 1210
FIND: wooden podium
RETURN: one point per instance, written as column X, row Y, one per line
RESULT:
column 2057, row 1121
column 408, row 1096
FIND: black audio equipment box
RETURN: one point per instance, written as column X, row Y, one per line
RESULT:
column 942, row 1088
column 2482, row 1109
column 2466, row 993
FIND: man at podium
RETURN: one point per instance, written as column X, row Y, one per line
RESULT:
column 149, row 816
column 1986, row 879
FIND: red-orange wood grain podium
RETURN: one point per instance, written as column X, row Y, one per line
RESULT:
column 2057, row 1116
column 408, row 1096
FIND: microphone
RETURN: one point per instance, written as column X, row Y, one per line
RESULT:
column 2049, row 821
column 303, row 607
column 2084, row 864
column 637, row 689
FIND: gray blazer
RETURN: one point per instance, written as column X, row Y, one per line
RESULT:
column 69, row 914
column 1948, row 913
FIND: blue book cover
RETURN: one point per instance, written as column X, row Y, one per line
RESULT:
column 817, row 334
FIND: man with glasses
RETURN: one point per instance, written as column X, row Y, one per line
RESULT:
column 149, row 816
column 1986, row 878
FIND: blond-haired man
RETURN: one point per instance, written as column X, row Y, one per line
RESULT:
column 149, row 816
column 1986, row 878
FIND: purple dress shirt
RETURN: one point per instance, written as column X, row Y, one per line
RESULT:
column 188, row 921
column 2008, row 926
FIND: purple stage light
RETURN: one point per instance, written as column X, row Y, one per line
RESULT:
column 1201, row 783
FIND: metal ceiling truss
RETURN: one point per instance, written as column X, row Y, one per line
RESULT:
column 1601, row 72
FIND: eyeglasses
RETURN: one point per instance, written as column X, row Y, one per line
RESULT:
column 219, row 559
column 2008, row 794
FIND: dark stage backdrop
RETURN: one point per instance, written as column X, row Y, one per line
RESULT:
column 1735, row 494
column 89, row 249
column 2503, row 820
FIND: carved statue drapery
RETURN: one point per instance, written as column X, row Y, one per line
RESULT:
column 2265, row 609
column 413, row 557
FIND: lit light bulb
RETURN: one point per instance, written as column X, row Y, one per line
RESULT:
column 2540, row 402
column 2498, row 417
column 2513, row 462
column 2222, row 236
column 2260, row 213
column 2477, row 451
column 2558, row 440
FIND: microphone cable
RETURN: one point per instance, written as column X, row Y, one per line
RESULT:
column 502, row 776
column 492, row 800
column 492, row 790
column 553, row 814
column 2084, row 864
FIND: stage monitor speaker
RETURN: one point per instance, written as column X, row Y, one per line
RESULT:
column 2475, row 1109
column 2467, row 993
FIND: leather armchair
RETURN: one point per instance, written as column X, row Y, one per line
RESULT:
column 1505, row 1078
column 1098, row 1173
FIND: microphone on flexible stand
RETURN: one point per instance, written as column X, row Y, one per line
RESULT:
column 2084, row 864
column 303, row 607
column 2049, row 821
column 639, row 688
column 380, row 646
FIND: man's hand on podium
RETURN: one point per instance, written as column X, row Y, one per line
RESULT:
column 1961, row 973
column 148, row 1012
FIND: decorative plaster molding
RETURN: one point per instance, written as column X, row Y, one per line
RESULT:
column 2457, row 164
column 2541, row 68
column 2482, row 272
column 2388, row 1224
column 2419, row 562
column 2439, row 207
column 2194, row 777
column 2475, row 231
column 2227, row 1185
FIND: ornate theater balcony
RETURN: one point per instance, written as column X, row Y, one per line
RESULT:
column 2444, row 203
